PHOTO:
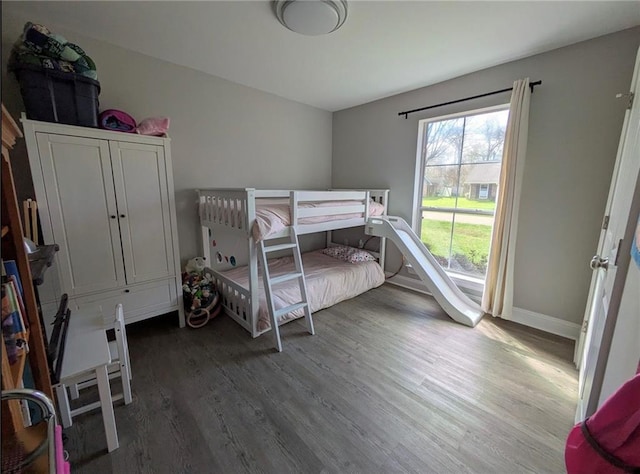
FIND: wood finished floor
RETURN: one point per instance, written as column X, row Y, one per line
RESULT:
column 387, row 384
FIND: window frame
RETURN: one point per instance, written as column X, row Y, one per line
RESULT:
column 420, row 171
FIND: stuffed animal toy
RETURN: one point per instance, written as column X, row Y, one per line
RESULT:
column 195, row 265
column 196, row 303
column 201, row 300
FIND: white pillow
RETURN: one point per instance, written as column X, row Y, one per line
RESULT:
column 349, row 254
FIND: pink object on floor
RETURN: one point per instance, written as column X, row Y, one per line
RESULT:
column 62, row 466
column 609, row 440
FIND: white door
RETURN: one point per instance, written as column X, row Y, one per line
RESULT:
column 82, row 205
column 605, row 262
column 139, row 173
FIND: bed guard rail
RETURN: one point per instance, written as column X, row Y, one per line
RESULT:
column 235, row 298
column 231, row 207
column 236, row 207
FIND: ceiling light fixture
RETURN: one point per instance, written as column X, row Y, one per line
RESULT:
column 311, row 17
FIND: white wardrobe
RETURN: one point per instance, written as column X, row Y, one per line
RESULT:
column 106, row 198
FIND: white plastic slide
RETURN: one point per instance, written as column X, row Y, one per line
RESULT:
column 456, row 304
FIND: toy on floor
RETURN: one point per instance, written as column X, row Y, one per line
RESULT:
column 195, row 265
column 201, row 300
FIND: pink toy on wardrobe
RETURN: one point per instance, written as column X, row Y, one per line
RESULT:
column 157, row 126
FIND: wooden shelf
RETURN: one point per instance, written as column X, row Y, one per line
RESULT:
column 17, row 369
column 13, row 248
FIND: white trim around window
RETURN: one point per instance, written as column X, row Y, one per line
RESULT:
column 473, row 283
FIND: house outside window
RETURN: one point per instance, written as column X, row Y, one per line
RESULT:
column 458, row 171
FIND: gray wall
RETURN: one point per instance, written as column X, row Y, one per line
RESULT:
column 574, row 128
column 223, row 134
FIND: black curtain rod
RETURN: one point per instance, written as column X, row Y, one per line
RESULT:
column 407, row 112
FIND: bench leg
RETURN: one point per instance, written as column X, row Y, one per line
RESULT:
column 63, row 405
column 126, row 383
column 102, row 376
column 73, row 389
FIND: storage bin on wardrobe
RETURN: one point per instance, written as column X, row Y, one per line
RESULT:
column 55, row 96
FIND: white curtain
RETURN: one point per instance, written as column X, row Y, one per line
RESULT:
column 497, row 298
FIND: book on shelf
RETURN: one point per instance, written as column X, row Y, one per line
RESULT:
column 11, row 277
column 19, row 303
column 11, row 268
column 14, row 328
column 8, row 331
column 17, row 311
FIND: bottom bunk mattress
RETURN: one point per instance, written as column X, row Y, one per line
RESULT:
column 329, row 281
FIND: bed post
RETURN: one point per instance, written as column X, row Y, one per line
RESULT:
column 367, row 198
column 329, row 233
column 293, row 208
column 253, row 260
column 205, row 232
column 206, row 250
column 383, row 240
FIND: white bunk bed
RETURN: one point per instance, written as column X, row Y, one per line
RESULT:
column 234, row 221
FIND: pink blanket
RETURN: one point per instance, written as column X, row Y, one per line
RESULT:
column 329, row 281
column 274, row 215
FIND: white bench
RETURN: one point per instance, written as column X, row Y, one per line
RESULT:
column 87, row 353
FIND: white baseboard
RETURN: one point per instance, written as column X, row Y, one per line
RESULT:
column 546, row 323
column 417, row 285
column 408, row 283
column 540, row 321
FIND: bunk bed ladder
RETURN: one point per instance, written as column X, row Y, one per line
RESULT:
column 269, row 282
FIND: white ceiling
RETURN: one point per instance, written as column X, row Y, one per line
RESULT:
column 384, row 48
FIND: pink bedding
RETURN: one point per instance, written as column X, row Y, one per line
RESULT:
column 329, row 281
column 273, row 215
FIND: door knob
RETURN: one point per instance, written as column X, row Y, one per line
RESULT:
column 112, row 216
column 122, row 216
column 598, row 262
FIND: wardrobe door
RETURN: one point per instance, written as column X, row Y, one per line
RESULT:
column 140, row 179
column 81, row 202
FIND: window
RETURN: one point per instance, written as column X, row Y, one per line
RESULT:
column 484, row 191
column 459, row 171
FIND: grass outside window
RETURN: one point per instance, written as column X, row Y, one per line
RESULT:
column 463, row 203
column 469, row 246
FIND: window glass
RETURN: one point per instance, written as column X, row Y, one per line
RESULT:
column 461, row 159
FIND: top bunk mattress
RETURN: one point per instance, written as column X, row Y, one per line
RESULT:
column 329, row 281
column 274, row 215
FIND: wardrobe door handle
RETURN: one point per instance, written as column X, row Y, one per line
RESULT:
column 113, row 216
column 122, row 216
column 127, row 291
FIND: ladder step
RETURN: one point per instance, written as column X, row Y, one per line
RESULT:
column 290, row 309
column 283, row 278
column 275, row 248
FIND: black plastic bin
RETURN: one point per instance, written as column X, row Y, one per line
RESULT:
column 54, row 96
